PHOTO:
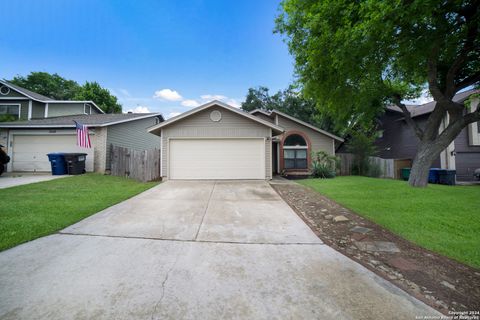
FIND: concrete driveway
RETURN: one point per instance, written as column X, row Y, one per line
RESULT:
column 12, row 179
column 194, row 250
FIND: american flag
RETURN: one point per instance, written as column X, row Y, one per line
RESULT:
column 83, row 140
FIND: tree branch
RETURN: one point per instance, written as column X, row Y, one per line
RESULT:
column 467, row 82
column 408, row 117
column 433, row 74
column 462, row 57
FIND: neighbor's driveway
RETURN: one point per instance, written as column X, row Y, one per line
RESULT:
column 12, row 179
column 195, row 250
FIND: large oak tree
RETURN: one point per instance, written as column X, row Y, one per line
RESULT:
column 356, row 57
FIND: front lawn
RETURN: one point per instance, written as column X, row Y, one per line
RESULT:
column 444, row 219
column 31, row 211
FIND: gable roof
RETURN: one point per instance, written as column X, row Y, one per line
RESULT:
column 303, row 123
column 210, row 104
column 41, row 98
column 426, row 108
column 91, row 120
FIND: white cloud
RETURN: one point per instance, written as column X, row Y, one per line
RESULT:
column 210, row 97
column 190, row 103
column 234, row 103
column 139, row 109
column 173, row 114
column 167, row 94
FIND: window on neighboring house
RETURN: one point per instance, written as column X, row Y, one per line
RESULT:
column 295, row 152
column 10, row 110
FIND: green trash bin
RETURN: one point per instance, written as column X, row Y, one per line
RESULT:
column 405, row 173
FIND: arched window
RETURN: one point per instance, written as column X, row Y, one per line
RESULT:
column 295, row 152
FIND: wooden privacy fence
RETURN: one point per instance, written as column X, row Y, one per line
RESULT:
column 386, row 165
column 140, row 165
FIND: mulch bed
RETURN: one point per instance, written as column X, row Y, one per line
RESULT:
column 440, row 282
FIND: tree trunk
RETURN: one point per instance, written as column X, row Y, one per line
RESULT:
column 427, row 152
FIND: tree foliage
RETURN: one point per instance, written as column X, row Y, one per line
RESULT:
column 50, row 85
column 291, row 102
column 354, row 57
column 56, row 87
column 101, row 96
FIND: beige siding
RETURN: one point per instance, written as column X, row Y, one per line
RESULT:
column 38, row 110
column 64, row 109
column 264, row 117
column 320, row 142
column 231, row 125
column 132, row 134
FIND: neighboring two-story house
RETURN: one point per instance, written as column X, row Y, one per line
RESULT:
column 39, row 125
column 398, row 141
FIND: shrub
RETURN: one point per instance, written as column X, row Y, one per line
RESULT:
column 374, row 169
column 362, row 147
column 323, row 165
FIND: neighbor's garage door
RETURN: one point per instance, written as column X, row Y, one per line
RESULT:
column 217, row 159
column 30, row 151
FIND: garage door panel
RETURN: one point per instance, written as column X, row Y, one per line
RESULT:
column 217, row 159
column 30, row 151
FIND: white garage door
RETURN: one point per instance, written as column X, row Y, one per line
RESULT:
column 30, row 151
column 217, row 159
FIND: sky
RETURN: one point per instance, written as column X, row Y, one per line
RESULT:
column 157, row 56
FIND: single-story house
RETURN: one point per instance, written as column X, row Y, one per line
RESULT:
column 27, row 142
column 398, row 141
column 218, row 141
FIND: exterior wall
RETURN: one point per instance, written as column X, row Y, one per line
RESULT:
column 316, row 141
column 231, row 125
column 23, row 106
column 64, row 109
column 38, row 110
column 467, row 157
column 132, row 135
column 94, row 110
column 4, row 138
column 264, row 117
column 13, row 94
column 100, row 149
column 398, row 140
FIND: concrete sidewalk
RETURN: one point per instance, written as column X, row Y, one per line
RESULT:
column 194, row 250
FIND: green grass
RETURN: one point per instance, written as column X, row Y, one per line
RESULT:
column 444, row 219
column 31, row 211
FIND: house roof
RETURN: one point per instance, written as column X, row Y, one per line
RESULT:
column 210, row 104
column 41, row 98
column 91, row 120
column 426, row 108
column 308, row 125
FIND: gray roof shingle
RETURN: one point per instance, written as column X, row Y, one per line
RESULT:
column 92, row 120
column 418, row 110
